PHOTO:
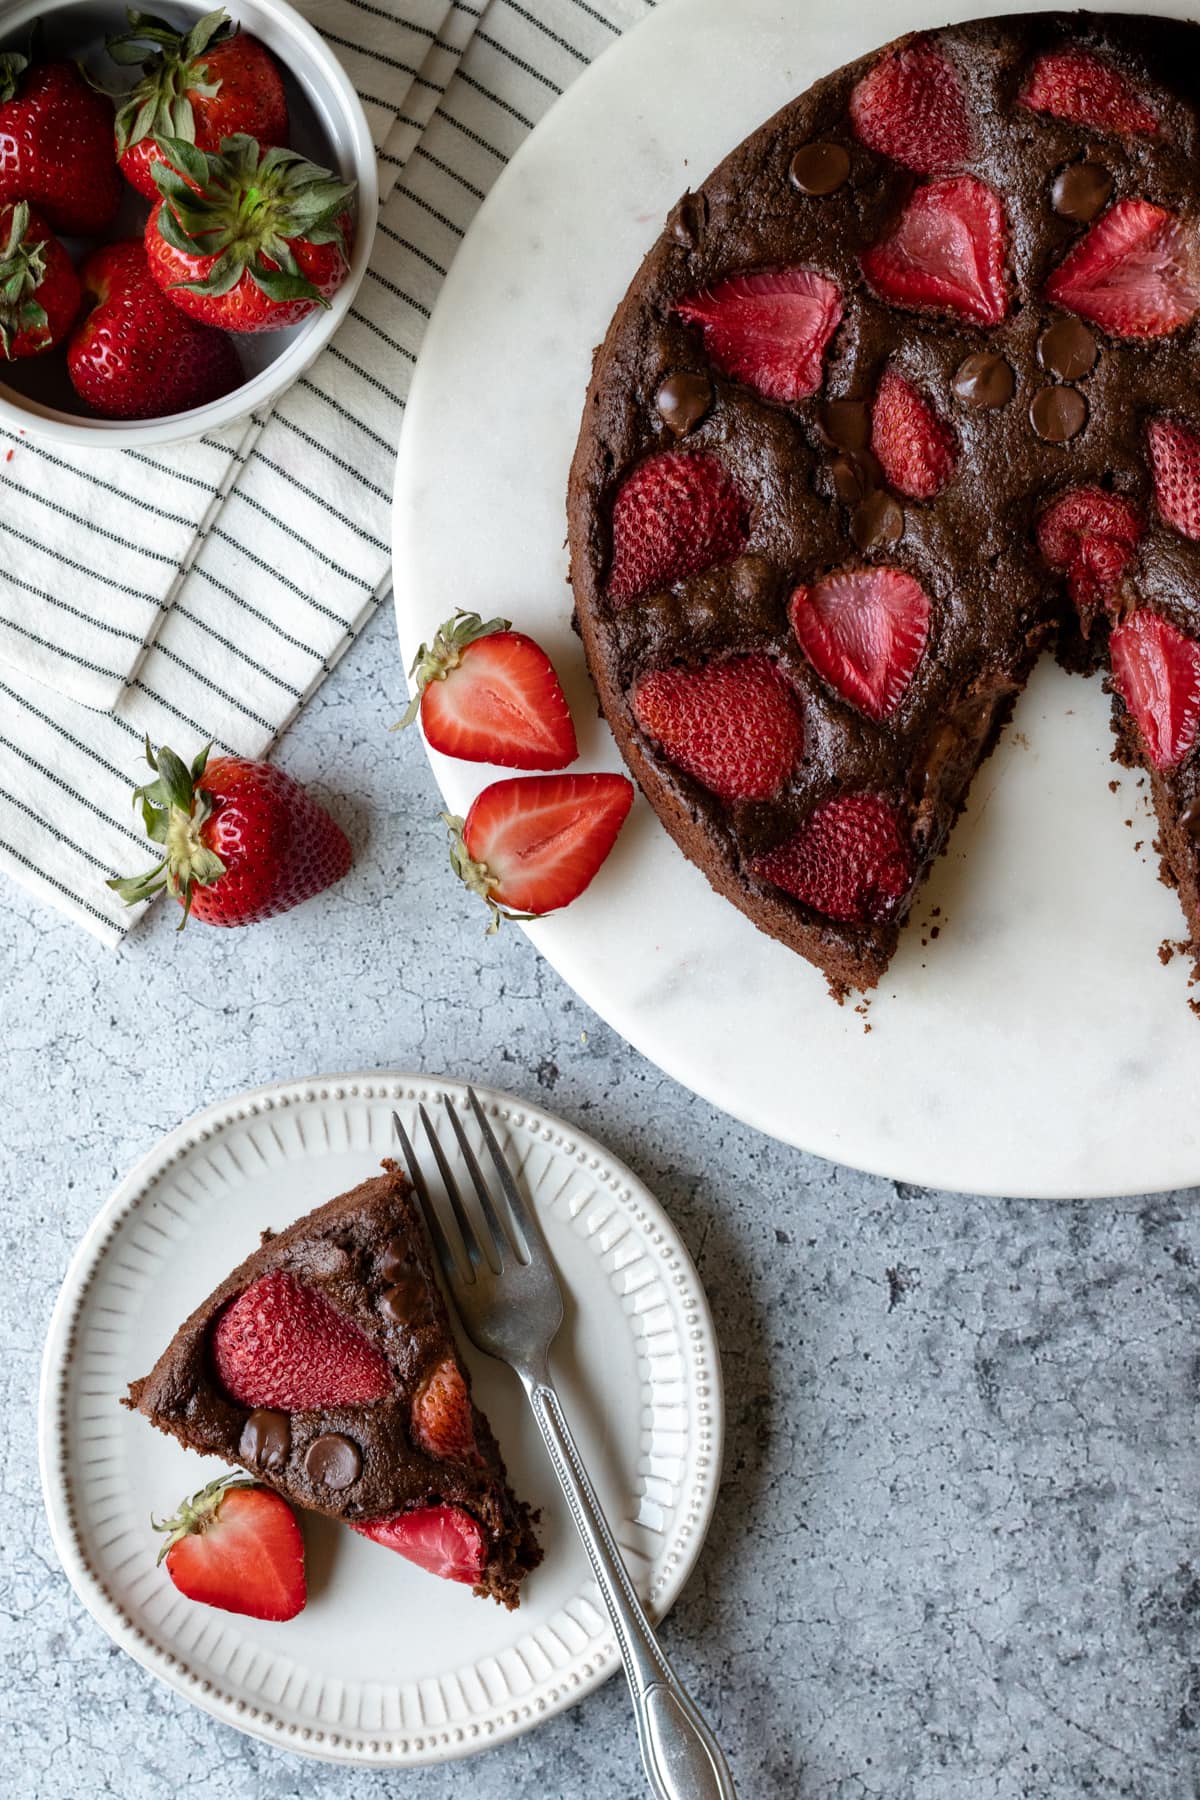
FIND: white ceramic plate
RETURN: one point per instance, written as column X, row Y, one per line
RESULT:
column 1026, row 1050
column 386, row 1666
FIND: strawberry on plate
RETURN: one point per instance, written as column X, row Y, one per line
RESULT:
column 864, row 631
column 1090, row 536
column 237, row 1546
column 443, row 1539
column 1156, row 671
column 1086, row 90
column 1175, row 462
column 732, row 724
column 248, row 239
column 770, row 329
column 442, row 1425
column 849, row 860
column 134, row 355
column 910, row 106
column 945, row 253
column 487, row 693
column 281, row 1344
column 1136, row 273
column 533, row 843
column 56, row 145
column 39, row 290
column 915, row 447
column 203, row 86
column 675, row 514
column 242, row 841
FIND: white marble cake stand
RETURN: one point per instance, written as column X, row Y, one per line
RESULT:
column 1038, row 1046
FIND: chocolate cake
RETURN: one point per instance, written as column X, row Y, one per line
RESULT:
column 324, row 1365
column 903, row 395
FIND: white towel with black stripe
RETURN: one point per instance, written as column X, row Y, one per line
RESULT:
column 205, row 592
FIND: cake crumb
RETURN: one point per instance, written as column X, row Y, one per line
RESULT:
column 1172, row 947
column 937, row 912
column 935, row 931
column 1113, row 786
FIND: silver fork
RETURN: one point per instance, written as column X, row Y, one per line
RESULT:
column 511, row 1306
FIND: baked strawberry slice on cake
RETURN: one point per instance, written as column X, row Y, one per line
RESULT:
column 324, row 1365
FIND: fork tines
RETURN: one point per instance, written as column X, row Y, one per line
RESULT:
column 501, row 1239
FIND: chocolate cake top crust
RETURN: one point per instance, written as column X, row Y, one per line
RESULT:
column 1028, row 399
column 365, row 1254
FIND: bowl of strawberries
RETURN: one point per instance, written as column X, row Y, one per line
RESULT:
column 187, row 203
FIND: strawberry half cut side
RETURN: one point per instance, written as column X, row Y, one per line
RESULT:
column 1136, row 274
column 1156, row 671
column 1090, row 536
column 1086, row 90
column 487, row 693
column 945, row 252
column 675, row 514
column 1175, row 461
column 864, row 631
column 770, row 329
column 281, row 1344
column 849, row 860
column 443, row 1539
column 910, row 107
column 916, row 449
column 237, row 1546
column 732, row 725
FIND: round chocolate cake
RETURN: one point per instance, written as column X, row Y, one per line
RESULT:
column 903, row 394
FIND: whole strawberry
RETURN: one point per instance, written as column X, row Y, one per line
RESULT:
column 56, row 145
column 242, row 841
column 134, row 355
column 237, row 1546
column 250, row 239
column 203, row 86
column 39, row 290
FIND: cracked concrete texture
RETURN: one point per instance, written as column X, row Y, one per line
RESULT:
column 956, row 1548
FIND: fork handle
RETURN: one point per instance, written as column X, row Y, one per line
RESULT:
column 682, row 1757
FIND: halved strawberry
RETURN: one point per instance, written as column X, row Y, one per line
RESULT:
column 1090, row 536
column 237, row 1546
column 769, row 329
column 910, row 107
column 1175, row 460
column 446, row 1540
column 533, row 843
column 945, row 252
column 1136, row 274
column 916, row 449
column 487, row 693
column 674, row 514
column 849, row 860
column 281, row 1344
column 1086, row 90
column 733, row 724
column 864, row 631
column 442, row 1424
column 1156, row 671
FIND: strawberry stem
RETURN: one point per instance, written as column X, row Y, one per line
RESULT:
column 22, row 271
column 175, row 809
column 172, row 69
column 476, row 877
column 433, row 662
column 198, row 1513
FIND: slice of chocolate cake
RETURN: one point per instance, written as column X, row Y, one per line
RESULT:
column 902, row 394
column 325, row 1366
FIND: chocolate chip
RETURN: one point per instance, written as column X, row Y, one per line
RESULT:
column 691, row 216
column 682, row 401
column 1067, row 349
column 877, row 522
column 1189, row 818
column 983, row 380
column 846, row 424
column 396, row 1258
column 819, row 168
column 266, row 1439
column 333, row 1460
column 404, row 1301
column 849, row 479
column 1057, row 413
column 1080, row 191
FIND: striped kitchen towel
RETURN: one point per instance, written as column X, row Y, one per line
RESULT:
column 257, row 555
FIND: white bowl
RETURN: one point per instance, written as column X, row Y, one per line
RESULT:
column 327, row 124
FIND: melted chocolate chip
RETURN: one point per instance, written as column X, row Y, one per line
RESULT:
column 691, row 216
column 877, row 522
column 333, row 1460
column 404, row 1301
column 396, row 1259
column 1189, row 818
column 1057, row 413
column 846, row 423
column 1080, row 191
column 682, row 401
column 850, row 482
column 1067, row 349
column 266, row 1439
column 983, row 380
column 818, row 169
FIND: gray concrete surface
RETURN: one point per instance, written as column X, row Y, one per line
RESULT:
column 956, row 1551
